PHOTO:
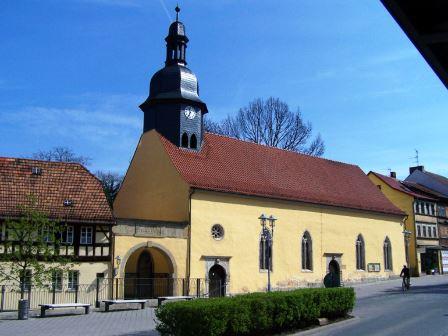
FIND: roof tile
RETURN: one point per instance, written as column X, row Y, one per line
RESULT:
column 231, row 165
column 58, row 181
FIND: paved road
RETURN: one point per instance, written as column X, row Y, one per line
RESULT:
column 381, row 309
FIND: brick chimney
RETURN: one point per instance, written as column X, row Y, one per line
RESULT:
column 412, row 169
column 393, row 174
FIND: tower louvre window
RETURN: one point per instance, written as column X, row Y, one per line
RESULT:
column 184, row 140
column 193, row 142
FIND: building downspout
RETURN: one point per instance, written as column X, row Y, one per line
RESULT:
column 189, row 236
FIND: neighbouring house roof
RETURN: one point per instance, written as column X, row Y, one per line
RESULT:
column 437, row 184
column 400, row 186
column 425, row 190
column 229, row 165
column 56, row 183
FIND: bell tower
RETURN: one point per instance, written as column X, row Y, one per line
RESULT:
column 173, row 107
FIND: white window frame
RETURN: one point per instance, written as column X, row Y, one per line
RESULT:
column 424, row 230
column 84, row 236
column 68, row 233
column 57, row 279
column 72, row 280
column 46, row 234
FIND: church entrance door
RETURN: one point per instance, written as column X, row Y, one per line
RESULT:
column 217, row 281
column 333, row 278
column 145, row 275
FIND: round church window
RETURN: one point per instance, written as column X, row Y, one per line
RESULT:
column 217, row 232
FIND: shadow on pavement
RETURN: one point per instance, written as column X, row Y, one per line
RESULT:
column 415, row 290
column 117, row 310
column 142, row 333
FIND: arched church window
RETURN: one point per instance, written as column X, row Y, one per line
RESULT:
column 387, row 249
column 265, row 251
column 307, row 252
column 360, row 253
column 184, row 142
column 193, row 142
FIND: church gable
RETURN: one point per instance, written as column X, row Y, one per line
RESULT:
column 152, row 189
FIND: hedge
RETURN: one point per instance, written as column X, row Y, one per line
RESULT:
column 254, row 314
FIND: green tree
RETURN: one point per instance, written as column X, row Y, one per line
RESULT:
column 32, row 248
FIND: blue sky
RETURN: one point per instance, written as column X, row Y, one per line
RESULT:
column 73, row 72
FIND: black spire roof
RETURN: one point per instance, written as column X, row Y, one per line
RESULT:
column 175, row 82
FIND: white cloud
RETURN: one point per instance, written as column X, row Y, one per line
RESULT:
column 105, row 127
column 95, row 118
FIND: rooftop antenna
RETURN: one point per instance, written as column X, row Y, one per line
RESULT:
column 416, row 157
column 177, row 9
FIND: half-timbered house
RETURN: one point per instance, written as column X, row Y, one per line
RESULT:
column 67, row 193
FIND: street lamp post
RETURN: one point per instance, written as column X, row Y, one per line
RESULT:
column 267, row 235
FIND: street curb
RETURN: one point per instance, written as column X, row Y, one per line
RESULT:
column 318, row 329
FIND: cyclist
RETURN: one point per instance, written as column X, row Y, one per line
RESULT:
column 406, row 277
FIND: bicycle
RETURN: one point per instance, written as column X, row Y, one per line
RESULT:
column 405, row 285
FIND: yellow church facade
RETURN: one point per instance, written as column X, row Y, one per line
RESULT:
column 158, row 212
column 190, row 207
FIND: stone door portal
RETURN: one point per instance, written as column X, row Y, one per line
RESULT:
column 217, row 281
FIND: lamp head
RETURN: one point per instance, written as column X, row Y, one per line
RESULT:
column 263, row 219
column 272, row 220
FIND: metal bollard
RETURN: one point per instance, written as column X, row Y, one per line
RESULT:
column 23, row 309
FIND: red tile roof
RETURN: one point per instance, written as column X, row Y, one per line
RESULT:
column 59, row 181
column 399, row 185
column 229, row 165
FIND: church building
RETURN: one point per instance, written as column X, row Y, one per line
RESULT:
column 190, row 209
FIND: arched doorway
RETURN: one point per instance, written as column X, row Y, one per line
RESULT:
column 333, row 278
column 148, row 273
column 217, row 281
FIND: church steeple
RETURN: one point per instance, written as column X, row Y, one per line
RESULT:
column 176, row 42
column 173, row 107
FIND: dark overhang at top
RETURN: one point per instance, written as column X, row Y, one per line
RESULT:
column 425, row 22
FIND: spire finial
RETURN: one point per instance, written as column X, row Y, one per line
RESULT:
column 177, row 9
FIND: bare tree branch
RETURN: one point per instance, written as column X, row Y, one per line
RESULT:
column 61, row 154
column 270, row 122
column 111, row 183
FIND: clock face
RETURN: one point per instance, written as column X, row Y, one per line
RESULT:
column 190, row 112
